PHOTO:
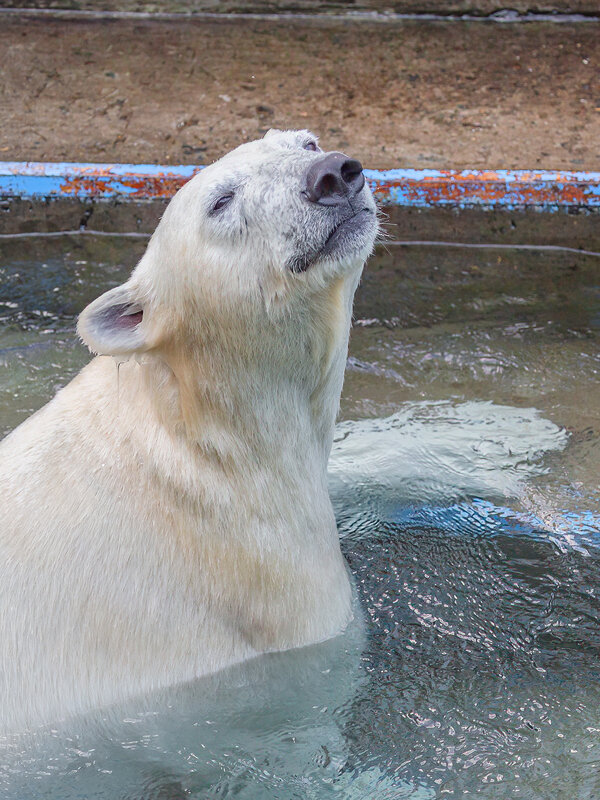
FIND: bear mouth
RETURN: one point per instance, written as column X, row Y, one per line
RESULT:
column 347, row 235
column 348, row 227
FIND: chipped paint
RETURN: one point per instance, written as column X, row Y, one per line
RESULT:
column 32, row 180
column 487, row 188
column 402, row 187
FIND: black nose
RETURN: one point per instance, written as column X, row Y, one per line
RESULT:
column 334, row 179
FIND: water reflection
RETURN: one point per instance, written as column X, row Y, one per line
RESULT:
column 483, row 655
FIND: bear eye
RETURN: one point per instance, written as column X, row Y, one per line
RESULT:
column 310, row 145
column 221, row 202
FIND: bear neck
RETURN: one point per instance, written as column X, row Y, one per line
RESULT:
column 264, row 389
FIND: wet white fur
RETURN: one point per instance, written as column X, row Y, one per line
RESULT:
column 170, row 516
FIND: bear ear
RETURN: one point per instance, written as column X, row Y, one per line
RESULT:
column 113, row 324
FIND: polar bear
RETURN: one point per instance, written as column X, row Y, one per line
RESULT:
column 167, row 513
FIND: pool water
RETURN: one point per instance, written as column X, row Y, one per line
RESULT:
column 465, row 481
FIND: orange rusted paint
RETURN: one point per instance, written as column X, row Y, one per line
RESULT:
column 487, row 188
column 101, row 183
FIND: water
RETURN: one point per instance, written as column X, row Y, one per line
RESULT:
column 465, row 481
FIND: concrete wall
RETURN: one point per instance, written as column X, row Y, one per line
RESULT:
column 479, row 7
column 576, row 228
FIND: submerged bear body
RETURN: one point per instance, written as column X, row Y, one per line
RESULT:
column 167, row 513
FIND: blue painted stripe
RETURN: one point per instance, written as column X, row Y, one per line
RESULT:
column 403, row 187
column 31, row 180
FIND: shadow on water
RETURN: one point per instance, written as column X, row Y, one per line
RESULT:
column 468, row 505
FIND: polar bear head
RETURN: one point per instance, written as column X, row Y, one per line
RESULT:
column 255, row 235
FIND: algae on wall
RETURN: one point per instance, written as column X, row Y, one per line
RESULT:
column 442, row 7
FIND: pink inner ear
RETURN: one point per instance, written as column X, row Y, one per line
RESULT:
column 129, row 320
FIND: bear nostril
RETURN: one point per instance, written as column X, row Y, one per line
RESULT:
column 333, row 179
column 352, row 172
column 328, row 185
